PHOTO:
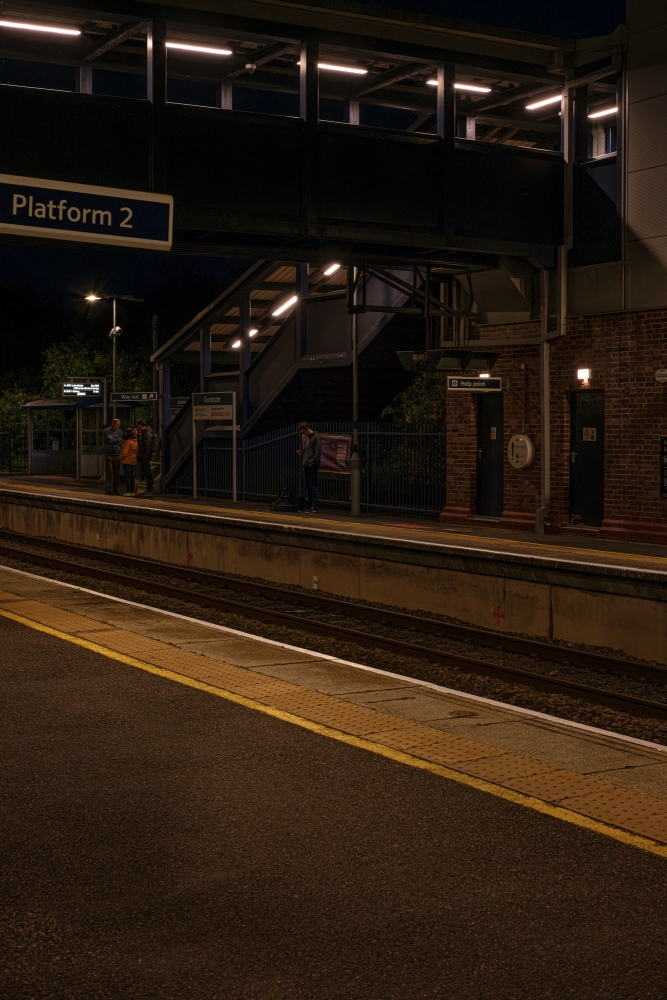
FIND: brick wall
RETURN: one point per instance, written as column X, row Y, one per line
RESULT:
column 623, row 351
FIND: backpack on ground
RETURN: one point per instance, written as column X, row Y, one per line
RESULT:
column 286, row 503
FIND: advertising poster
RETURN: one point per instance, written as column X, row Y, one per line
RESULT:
column 336, row 451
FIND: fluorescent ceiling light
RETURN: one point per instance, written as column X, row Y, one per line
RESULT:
column 237, row 343
column 252, row 333
column 469, row 86
column 543, row 104
column 39, row 27
column 343, row 69
column 284, row 307
column 331, row 270
column 92, row 297
column 199, row 48
column 463, row 86
column 600, row 114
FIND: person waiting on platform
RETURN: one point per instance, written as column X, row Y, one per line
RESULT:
column 310, row 451
column 128, row 458
column 112, row 442
column 147, row 441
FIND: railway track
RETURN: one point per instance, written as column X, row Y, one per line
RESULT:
column 599, row 662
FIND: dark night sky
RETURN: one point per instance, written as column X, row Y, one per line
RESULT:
column 187, row 284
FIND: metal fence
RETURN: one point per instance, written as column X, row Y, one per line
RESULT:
column 13, row 449
column 402, row 468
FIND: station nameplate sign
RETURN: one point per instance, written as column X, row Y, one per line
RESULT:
column 213, row 406
column 30, row 206
column 81, row 387
column 132, row 397
column 459, row 384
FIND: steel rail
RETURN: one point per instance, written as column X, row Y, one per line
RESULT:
column 462, row 633
column 630, row 704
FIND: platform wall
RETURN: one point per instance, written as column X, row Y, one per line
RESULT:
column 548, row 598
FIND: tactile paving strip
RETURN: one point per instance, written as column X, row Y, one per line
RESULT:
column 592, row 797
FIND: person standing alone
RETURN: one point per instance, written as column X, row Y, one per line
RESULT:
column 146, row 451
column 310, row 452
column 112, row 442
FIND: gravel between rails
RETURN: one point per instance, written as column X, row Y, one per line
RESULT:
column 561, row 706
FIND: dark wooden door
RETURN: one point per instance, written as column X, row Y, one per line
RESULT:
column 490, row 454
column 587, row 456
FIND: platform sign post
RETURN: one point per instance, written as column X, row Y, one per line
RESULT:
column 219, row 406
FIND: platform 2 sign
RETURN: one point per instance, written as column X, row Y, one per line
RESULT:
column 33, row 207
column 663, row 467
column 458, row 384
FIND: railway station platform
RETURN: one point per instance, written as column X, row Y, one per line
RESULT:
column 224, row 813
column 604, row 594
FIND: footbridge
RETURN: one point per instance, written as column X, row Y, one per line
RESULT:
column 294, row 133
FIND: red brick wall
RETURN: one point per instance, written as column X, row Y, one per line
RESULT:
column 623, row 351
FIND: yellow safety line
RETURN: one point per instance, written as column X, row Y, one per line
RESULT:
column 518, row 798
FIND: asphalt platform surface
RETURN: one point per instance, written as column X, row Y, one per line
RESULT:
column 159, row 842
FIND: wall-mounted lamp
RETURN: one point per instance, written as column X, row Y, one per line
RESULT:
column 485, row 375
column 584, row 374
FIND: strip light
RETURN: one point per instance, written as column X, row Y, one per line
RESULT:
column 253, row 333
column 463, row 86
column 543, row 104
column 600, row 114
column 284, row 307
column 343, row 69
column 237, row 343
column 331, row 270
column 39, row 27
column 199, row 48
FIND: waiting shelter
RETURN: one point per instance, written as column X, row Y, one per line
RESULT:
column 65, row 435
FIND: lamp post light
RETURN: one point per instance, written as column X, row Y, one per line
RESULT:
column 114, row 333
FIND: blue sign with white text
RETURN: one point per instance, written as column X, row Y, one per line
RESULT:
column 81, row 212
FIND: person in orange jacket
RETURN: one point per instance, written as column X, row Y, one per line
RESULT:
column 128, row 458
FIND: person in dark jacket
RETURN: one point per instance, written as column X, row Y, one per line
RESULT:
column 112, row 442
column 144, row 455
column 310, row 452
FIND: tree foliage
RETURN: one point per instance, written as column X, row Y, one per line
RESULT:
column 423, row 400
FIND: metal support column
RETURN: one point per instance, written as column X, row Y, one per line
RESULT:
column 245, row 356
column 156, row 86
column 302, row 292
column 204, row 356
column 355, row 460
column 164, row 389
column 446, row 130
column 309, row 83
column 309, row 112
column 224, row 96
column 156, row 380
column 545, row 406
column 84, row 82
column 568, row 156
column 353, row 113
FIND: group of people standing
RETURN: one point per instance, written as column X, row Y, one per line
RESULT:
column 130, row 450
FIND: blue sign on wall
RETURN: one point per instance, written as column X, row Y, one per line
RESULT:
column 62, row 211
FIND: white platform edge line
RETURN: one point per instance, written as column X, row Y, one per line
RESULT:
column 528, row 559
column 349, row 663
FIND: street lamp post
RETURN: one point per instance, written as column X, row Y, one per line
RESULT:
column 114, row 333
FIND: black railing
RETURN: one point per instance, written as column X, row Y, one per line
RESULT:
column 402, row 468
column 13, row 449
